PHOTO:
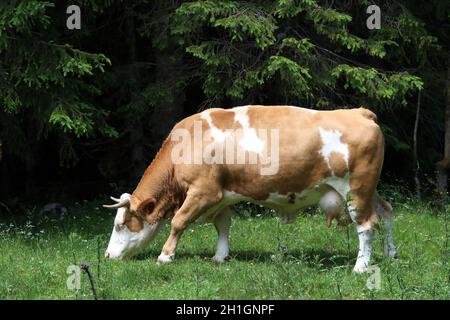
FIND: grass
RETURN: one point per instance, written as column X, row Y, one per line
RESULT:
column 269, row 260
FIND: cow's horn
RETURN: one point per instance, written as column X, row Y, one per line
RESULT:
column 115, row 199
column 120, row 203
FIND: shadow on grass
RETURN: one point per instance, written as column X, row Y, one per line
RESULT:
column 314, row 258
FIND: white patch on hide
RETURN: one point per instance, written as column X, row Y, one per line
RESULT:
column 222, row 223
column 341, row 185
column 331, row 140
column 222, row 249
column 164, row 258
column 250, row 140
column 352, row 213
column 312, row 111
column 217, row 134
column 124, row 243
column 286, row 205
column 365, row 250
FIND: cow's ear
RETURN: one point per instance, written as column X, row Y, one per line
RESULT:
column 146, row 207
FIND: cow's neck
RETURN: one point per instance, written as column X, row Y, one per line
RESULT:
column 158, row 182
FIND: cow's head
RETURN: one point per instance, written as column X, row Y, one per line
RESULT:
column 131, row 230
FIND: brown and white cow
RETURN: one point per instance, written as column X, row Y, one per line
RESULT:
column 282, row 157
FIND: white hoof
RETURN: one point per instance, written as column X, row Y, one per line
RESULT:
column 163, row 258
column 220, row 259
column 361, row 267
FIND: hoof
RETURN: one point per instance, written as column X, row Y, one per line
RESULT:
column 360, row 268
column 220, row 259
column 163, row 258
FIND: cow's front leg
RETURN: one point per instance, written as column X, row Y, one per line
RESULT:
column 193, row 206
column 222, row 223
column 168, row 252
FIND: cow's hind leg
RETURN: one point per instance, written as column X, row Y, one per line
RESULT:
column 365, row 237
column 363, row 214
column 222, row 223
column 384, row 211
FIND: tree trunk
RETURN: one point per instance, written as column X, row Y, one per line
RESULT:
column 415, row 152
column 136, row 136
column 170, row 111
column 444, row 165
column 5, row 185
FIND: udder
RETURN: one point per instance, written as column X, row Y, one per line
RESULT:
column 333, row 206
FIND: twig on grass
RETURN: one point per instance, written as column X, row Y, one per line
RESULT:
column 85, row 267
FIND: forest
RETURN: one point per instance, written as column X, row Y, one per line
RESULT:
column 84, row 111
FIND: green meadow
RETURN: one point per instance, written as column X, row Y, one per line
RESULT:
column 269, row 260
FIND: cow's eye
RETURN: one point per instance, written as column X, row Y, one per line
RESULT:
column 120, row 226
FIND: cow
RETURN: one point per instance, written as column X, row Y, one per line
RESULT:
column 282, row 157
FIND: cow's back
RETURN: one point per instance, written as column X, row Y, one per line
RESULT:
column 295, row 148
